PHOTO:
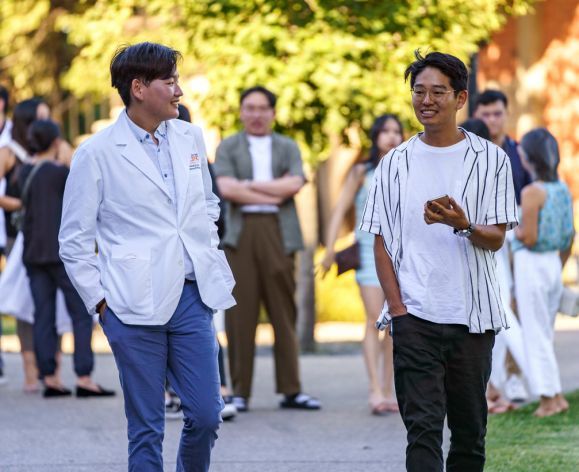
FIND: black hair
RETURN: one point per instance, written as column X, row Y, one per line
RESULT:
column 478, row 127
column 24, row 114
column 271, row 98
column 41, row 135
column 143, row 61
column 375, row 153
column 491, row 96
column 5, row 97
column 449, row 65
column 184, row 113
column 542, row 151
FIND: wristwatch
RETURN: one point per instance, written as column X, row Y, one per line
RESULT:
column 464, row 233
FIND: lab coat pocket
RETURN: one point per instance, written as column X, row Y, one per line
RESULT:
column 225, row 270
column 130, row 278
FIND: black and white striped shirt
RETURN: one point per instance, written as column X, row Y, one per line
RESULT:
column 487, row 197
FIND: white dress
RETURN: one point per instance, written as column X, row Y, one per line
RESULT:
column 16, row 297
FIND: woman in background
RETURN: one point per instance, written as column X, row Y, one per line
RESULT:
column 512, row 338
column 41, row 185
column 386, row 133
column 12, row 156
column 541, row 248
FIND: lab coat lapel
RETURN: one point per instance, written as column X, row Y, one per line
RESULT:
column 130, row 148
column 185, row 158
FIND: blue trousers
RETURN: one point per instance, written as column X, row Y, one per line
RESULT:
column 185, row 351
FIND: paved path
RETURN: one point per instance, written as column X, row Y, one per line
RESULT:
column 73, row 435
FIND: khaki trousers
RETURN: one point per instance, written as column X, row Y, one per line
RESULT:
column 263, row 273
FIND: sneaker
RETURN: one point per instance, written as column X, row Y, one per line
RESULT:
column 515, row 389
column 229, row 411
column 240, row 403
column 173, row 410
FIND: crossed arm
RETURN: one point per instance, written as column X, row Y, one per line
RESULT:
column 247, row 192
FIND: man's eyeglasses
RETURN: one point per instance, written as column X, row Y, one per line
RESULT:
column 256, row 109
column 437, row 95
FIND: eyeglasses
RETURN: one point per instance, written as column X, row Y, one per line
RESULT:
column 437, row 94
column 255, row 109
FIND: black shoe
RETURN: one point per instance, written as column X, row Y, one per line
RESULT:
column 82, row 392
column 53, row 392
column 3, row 379
column 300, row 401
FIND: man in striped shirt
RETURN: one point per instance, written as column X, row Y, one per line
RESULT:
column 435, row 261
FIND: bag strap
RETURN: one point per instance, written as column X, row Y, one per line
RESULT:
column 18, row 151
column 27, row 183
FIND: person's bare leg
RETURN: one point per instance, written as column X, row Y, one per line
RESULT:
column 373, row 300
column 30, row 372
column 388, row 373
column 58, row 371
column 85, row 381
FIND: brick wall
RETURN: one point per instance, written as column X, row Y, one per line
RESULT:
column 534, row 60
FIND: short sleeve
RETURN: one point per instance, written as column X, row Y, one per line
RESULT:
column 370, row 221
column 223, row 165
column 295, row 160
column 503, row 205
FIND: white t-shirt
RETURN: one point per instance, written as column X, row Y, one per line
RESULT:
column 433, row 269
column 260, row 150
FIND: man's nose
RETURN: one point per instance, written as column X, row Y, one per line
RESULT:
column 178, row 91
column 427, row 99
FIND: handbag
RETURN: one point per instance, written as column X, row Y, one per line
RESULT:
column 569, row 304
column 348, row 259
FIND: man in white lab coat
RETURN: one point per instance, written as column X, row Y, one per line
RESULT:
column 141, row 188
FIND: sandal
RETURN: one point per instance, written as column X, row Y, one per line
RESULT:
column 300, row 401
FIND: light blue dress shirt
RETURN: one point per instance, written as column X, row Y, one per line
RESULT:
column 160, row 154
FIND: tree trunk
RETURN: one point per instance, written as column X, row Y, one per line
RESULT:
column 307, row 207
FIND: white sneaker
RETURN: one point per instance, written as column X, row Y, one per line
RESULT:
column 229, row 410
column 173, row 410
column 515, row 389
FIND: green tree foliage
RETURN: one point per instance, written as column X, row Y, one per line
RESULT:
column 34, row 50
column 334, row 64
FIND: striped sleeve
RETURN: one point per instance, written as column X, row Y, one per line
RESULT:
column 503, row 205
column 370, row 221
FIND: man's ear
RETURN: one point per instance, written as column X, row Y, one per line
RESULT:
column 137, row 89
column 461, row 99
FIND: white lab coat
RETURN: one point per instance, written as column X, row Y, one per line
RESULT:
column 116, row 196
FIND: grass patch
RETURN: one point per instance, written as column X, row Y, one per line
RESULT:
column 519, row 442
column 8, row 325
